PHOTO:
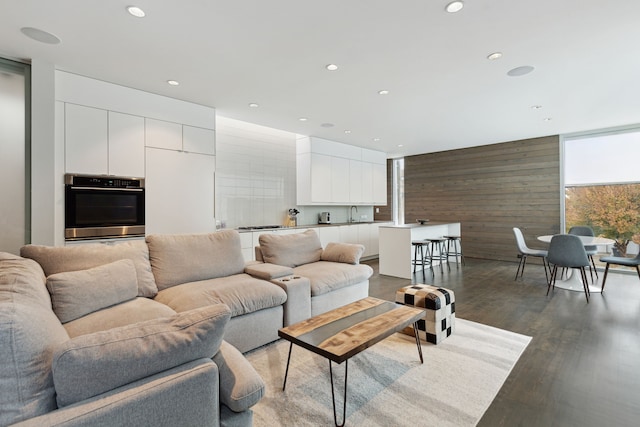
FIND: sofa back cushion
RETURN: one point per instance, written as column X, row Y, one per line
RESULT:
column 77, row 293
column 181, row 258
column 81, row 257
column 291, row 250
column 93, row 364
column 29, row 333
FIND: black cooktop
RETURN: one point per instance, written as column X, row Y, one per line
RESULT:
column 260, row 227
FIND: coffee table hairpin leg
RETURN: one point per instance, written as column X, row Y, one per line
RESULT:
column 286, row 372
column 333, row 397
column 415, row 331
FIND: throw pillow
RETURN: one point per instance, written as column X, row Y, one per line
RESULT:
column 77, row 293
column 291, row 250
column 80, row 257
column 348, row 253
column 89, row 365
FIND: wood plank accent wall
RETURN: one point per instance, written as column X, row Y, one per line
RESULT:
column 489, row 189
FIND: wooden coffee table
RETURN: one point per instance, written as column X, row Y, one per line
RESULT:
column 346, row 331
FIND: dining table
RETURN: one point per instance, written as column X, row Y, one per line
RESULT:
column 573, row 282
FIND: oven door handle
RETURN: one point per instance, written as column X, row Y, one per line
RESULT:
column 107, row 188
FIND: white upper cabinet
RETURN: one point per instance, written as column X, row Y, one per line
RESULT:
column 101, row 142
column 198, row 140
column 329, row 173
column 320, row 169
column 126, row 145
column 356, row 182
column 174, row 136
column 379, row 184
column 86, row 147
column 161, row 134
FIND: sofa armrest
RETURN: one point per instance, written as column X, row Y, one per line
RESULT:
column 267, row 271
column 241, row 386
column 298, row 304
column 184, row 395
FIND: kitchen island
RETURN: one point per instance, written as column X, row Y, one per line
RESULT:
column 396, row 252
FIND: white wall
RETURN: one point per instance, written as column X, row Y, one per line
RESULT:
column 47, row 189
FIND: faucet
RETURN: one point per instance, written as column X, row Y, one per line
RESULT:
column 351, row 213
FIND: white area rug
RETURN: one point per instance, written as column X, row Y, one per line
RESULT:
column 387, row 385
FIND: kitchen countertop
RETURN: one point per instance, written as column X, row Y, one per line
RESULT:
column 417, row 225
column 333, row 224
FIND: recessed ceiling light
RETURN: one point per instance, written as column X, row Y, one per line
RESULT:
column 536, row 107
column 136, row 11
column 173, row 82
column 40, row 35
column 495, row 55
column 347, row 131
column 520, row 71
column 454, row 6
column 253, row 105
column 383, row 92
column 303, row 119
column 376, row 139
column 327, row 125
column 400, row 145
column 332, row 67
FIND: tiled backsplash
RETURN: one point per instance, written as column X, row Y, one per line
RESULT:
column 255, row 174
column 256, row 178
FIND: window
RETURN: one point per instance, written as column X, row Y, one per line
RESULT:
column 602, row 186
column 398, row 190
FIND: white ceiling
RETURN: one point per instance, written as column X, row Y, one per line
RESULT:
column 444, row 92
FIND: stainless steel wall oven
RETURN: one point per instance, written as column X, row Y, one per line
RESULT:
column 101, row 206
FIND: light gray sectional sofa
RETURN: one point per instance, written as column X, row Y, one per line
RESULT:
column 150, row 333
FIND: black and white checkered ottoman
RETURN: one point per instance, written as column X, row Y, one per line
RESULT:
column 440, row 319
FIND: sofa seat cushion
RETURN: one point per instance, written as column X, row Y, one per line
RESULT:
column 78, row 293
column 326, row 276
column 90, row 365
column 241, row 292
column 291, row 250
column 81, row 257
column 29, row 334
column 182, row 258
column 126, row 313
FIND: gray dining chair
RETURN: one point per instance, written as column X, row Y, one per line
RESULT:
column 583, row 230
column 567, row 250
column 619, row 260
column 524, row 251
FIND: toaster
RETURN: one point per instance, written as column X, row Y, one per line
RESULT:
column 324, row 218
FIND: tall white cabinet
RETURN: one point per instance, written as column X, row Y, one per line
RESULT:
column 331, row 173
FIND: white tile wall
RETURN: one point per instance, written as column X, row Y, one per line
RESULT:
column 255, row 173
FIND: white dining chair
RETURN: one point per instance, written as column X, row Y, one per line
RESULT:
column 524, row 251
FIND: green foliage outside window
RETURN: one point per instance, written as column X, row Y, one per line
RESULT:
column 613, row 211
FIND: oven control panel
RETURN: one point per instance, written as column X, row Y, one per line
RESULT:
column 103, row 181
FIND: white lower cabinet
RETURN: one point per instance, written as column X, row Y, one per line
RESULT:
column 364, row 234
column 246, row 243
column 179, row 192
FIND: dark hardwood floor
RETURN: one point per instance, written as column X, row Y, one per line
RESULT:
column 582, row 367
